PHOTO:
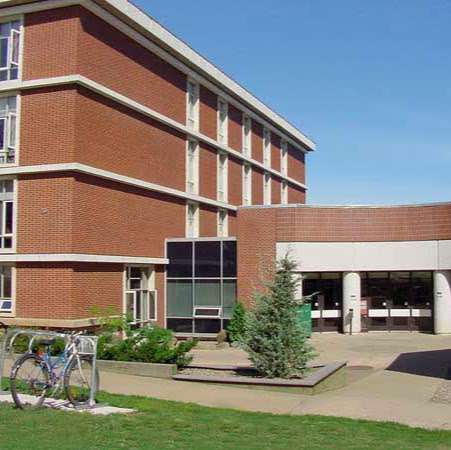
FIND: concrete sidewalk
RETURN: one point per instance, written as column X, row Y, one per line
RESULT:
column 372, row 393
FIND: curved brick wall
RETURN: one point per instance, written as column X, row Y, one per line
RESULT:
column 259, row 228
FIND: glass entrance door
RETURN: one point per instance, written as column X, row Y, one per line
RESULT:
column 327, row 299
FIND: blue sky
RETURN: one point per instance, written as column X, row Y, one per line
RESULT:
column 369, row 82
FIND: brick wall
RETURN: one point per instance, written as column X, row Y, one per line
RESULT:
column 257, row 186
column 296, row 194
column 276, row 193
column 48, row 138
column 208, row 221
column 256, row 232
column 276, row 152
column 235, row 180
column 45, row 213
column 257, row 141
column 296, row 164
column 207, row 171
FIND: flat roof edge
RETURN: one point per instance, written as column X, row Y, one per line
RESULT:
column 302, row 205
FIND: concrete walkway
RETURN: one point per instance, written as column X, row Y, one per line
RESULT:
column 418, row 366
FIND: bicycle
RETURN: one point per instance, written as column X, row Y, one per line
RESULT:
column 37, row 374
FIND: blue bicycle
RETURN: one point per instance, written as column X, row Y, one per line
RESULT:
column 37, row 375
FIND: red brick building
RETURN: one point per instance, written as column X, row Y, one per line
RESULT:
column 131, row 170
column 116, row 136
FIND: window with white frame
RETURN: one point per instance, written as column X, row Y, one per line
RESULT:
column 140, row 295
column 6, row 213
column 222, row 121
column 222, row 176
column 247, row 136
column 6, row 300
column 192, row 219
column 8, row 129
column 284, row 192
column 192, row 105
column 267, row 189
column 9, row 50
column 284, row 158
column 247, row 184
column 223, row 219
column 266, row 147
column 192, row 167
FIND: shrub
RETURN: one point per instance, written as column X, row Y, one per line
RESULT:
column 236, row 325
column 276, row 342
column 150, row 344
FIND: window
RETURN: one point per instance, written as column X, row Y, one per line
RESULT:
column 6, row 214
column 222, row 176
column 6, row 301
column 193, row 105
column 247, row 184
column 140, row 297
column 266, row 147
column 9, row 50
column 284, row 159
column 8, row 131
column 192, row 167
column 200, row 298
column 267, row 189
column 284, row 192
column 192, row 219
column 247, row 136
column 222, row 121
column 223, row 223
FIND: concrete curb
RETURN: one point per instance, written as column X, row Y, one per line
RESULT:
column 138, row 368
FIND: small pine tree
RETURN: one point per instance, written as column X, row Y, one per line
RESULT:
column 235, row 329
column 274, row 339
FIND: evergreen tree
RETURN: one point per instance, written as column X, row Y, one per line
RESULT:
column 275, row 340
column 236, row 326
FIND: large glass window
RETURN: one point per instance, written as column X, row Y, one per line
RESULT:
column 8, row 129
column 9, row 50
column 6, row 301
column 201, row 285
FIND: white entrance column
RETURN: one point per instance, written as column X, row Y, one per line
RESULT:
column 351, row 300
column 442, row 301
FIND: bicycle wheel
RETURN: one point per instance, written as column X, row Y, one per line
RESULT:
column 29, row 381
column 78, row 380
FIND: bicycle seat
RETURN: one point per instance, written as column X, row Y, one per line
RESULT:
column 47, row 342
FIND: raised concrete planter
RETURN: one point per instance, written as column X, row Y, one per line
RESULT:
column 138, row 368
column 324, row 378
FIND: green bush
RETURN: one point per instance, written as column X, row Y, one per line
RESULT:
column 236, row 326
column 275, row 341
column 150, row 344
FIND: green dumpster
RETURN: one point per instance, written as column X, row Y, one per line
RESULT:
column 305, row 317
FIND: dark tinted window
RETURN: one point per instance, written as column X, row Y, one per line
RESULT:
column 208, row 259
column 229, row 259
column 180, row 256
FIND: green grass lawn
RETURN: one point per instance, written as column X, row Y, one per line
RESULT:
column 169, row 425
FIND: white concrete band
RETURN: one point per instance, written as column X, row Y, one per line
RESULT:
column 442, row 301
column 79, row 257
column 351, row 301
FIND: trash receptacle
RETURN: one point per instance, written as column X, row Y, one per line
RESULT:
column 305, row 317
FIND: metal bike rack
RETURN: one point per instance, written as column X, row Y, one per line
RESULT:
column 87, row 346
